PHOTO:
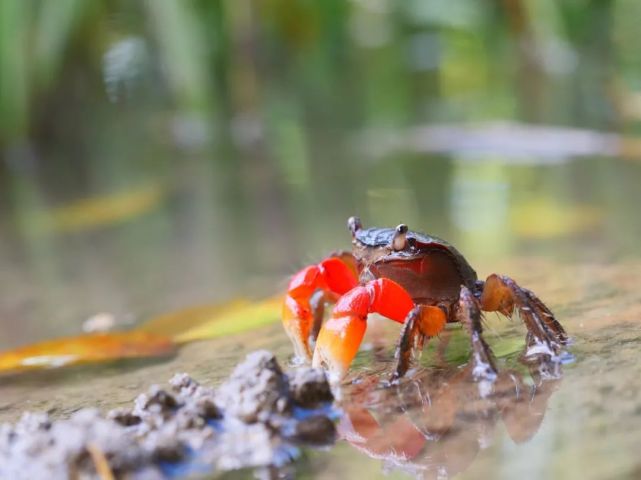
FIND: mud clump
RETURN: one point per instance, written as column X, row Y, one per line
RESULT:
column 259, row 400
column 309, row 387
column 315, row 430
column 37, row 448
column 256, row 419
column 256, row 389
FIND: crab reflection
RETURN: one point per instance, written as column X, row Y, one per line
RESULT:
column 435, row 424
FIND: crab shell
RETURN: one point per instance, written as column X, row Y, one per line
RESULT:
column 430, row 269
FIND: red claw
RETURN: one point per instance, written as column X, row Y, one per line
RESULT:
column 341, row 336
column 338, row 343
column 338, row 277
column 390, row 299
column 297, row 320
column 332, row 276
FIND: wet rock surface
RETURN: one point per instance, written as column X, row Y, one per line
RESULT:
column 256, row 419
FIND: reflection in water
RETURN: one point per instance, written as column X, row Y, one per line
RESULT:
column 520, row 143
column 435, row 424
column 479, row 203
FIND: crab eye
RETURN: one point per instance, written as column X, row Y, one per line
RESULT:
column 399, row 242
column 354, row 224
column 402, row 228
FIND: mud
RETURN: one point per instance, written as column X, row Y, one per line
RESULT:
column 256, row 419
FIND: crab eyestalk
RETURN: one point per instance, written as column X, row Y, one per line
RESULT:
column 354, row 224
column 341, row 336
column 399, row 241
column 332, row 276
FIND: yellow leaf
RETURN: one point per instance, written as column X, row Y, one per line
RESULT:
column 82, row 349
column 98, row 211
column 545, row 219
column 174, row 323
column 159, row 336
column 209, row 321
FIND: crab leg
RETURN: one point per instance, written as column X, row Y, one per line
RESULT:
column 423, row 321
column 341, row 336
column 502, row 294
column 469, row 314
column 302, row 307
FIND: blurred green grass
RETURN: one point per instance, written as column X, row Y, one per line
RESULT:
column 406, row 61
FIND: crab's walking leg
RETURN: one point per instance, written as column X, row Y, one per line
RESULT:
column 502, row 294
column 341, row 336
column 423, row 321
column 469, row 314
column 302, row 308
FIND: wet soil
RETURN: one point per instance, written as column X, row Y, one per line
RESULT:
column 256, row 419
column 584, row 423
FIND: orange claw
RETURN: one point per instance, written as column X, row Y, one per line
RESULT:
column 332, row 276
column 338, row 343
column 341, row 336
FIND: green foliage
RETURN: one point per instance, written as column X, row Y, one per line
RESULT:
column 400, row 62
column 14, row 92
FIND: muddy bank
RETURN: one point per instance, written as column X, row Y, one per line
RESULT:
column 256, row 419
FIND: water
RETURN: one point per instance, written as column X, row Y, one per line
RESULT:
column 129, row 189
column 582, row 425
column 589, row 277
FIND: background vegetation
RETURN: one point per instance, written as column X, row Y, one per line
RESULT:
column 160, row 153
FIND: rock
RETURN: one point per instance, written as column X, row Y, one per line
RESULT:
column 198, row 400
column 60, row 449
column 256, row 389
column 309, row 387
column 316, row 430
column 124, row 417
column 250, row 445
column 157, row 401
column 249, row 422
column 183, row 384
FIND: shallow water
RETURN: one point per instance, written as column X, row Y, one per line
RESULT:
column 589, row 419
column 558, row 229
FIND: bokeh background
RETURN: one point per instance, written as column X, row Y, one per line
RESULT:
column 161, row 154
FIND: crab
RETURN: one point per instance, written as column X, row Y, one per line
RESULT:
column 414, row 279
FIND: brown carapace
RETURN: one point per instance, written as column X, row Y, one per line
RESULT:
column 415, row 279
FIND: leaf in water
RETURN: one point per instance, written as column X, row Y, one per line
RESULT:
column 86, row 349
column 103, row 210
column 545, row 219
column 208, row 321
column 158, row 337
column 175, row 323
